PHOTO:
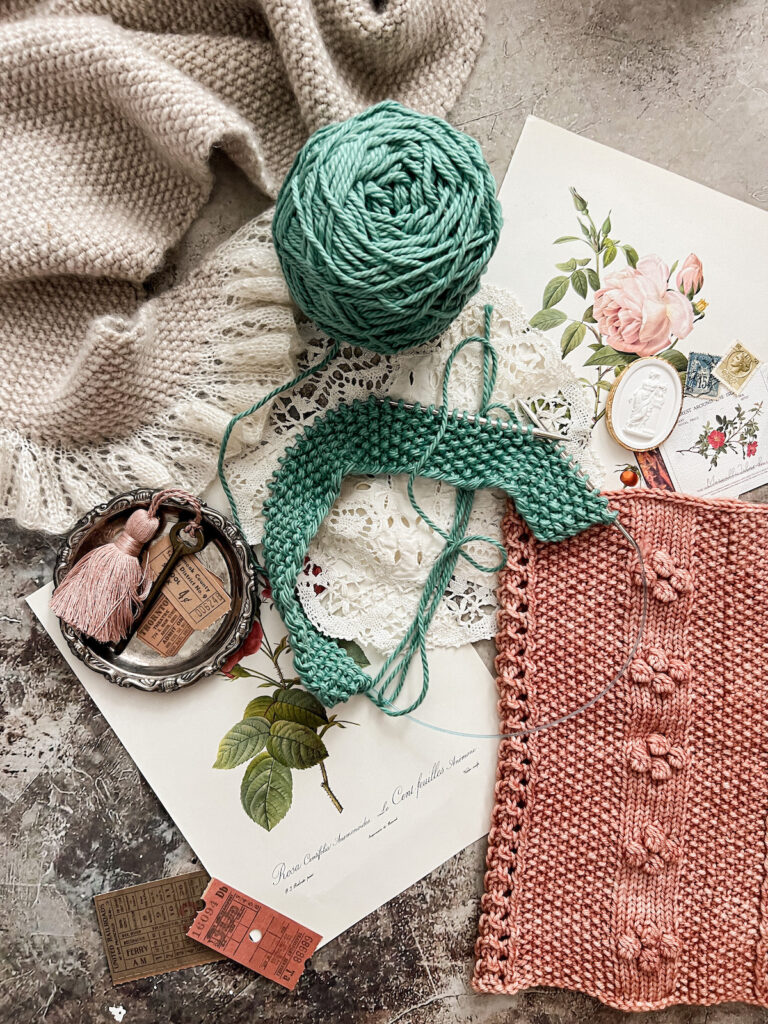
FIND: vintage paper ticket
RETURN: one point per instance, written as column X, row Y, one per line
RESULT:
column 254, row 935
column 165, row 629
column 192, row 599
column 144, row 927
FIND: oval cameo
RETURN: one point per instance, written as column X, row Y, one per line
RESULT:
column 644, row 404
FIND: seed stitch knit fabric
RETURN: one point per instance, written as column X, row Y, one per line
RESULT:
column 627, row 850
column 377, row 437
column 109, row 111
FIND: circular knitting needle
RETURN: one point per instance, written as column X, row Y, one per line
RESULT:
column 582, row 707
column 471, row 417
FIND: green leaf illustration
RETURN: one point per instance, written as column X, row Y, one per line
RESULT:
column 259, row 707
column 292, row 705
column 241, row 742
column 579, row 283
column 554, row 291
column 295, row 745
column 594, row 280
column 566, row 238
column 238, row 672
column 676, row 358
column 297, row 706
column 354, row 651
column 570, row 265
column 546, row 319
column 589, row 316
column 631, row 255
column 607, row 356
column 266, row 791
column 282, row 646
column 572, row 337
column 609, row 254
column 606, row 228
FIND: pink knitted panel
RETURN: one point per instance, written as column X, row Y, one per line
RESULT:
column 627, row 851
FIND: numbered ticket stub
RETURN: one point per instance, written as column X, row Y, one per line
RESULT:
column 192, row 599
column 164, row 630
column 144, row 927
column 253, row 935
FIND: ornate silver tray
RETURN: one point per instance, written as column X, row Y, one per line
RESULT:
column 225, row 554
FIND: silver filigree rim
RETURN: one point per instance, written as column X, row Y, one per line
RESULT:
column 174, row 681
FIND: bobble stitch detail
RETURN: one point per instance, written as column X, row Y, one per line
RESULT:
column 654, row 668
column 650, row 849
column 649, row 946
column 657, row 756
column 666, row 580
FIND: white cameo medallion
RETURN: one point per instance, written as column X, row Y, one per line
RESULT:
column 644, row 404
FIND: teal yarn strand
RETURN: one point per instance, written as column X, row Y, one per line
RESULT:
column 387, row 685
column 384, row 225
column 288, row 386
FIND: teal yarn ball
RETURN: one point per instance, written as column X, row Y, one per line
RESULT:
column 384, row 225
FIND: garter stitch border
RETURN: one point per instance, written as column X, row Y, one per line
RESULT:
column 371, row 438
column 627, row 851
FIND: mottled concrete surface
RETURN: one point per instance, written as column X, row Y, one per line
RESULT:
column 683, row 84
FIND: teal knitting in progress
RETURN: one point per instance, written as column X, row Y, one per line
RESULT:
column 383, row 228
column 375, row 437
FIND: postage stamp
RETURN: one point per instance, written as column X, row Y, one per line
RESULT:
column 736, row 368
column 700, row 380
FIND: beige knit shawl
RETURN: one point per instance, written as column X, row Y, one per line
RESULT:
column 109, row 110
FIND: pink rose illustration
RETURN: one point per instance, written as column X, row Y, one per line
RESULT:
column 690, row 277
column 716, row 438
column 252, row 645
column 637, row 312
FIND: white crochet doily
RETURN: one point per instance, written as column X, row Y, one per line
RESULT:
column 370, row 559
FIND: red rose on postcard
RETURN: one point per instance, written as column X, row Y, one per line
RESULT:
column 716, row 438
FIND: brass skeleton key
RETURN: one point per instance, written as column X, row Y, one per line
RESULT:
column 183, row 543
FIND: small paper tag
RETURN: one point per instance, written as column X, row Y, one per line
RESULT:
column 165, row 630
column 144, row 927
column 192, row 589
column 253, row 935
column 192, row 598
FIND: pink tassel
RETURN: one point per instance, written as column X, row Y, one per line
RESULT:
column 102, row 593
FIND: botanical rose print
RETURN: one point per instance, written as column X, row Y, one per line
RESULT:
column 716, row 439
column 281, row 731
column 729, row 436
column 252, row 645
column 690, row 277
column 618, row 315
column 637, row 311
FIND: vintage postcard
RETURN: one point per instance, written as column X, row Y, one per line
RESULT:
column 719, row 447
column 334, row 851
column 736, row 368
column 613, row 259
column 700, row 379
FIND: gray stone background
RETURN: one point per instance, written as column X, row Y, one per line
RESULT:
column 682, row 84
